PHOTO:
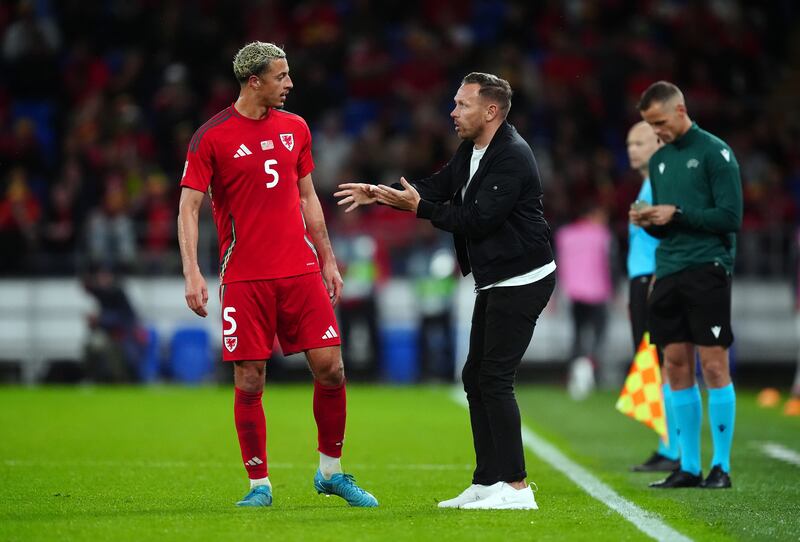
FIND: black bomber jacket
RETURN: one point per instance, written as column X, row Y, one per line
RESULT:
column 499, row 229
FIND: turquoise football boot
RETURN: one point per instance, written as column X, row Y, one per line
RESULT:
column 344, row 486
column 258, row 496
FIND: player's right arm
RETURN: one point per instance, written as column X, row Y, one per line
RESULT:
column 188, row 220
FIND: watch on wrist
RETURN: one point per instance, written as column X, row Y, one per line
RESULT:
column 677, row 216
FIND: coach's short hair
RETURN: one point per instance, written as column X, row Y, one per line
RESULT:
column 660, row 91
column 254, row 58
column 492, row 88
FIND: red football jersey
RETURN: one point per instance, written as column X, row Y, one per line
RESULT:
column 250, row 170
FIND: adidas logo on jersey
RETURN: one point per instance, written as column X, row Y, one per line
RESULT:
column 242, row 151
column 330, row 334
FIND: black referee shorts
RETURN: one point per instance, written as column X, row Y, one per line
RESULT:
column 694, row 306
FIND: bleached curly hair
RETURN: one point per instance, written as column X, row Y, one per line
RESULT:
column 254, row 58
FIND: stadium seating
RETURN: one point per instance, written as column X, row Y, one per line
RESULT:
column 190, row 355
column 150, row 365
column 400, row 355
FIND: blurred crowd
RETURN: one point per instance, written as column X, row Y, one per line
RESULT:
column 98, row 101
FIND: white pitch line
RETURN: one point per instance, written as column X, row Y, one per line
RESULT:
column 647, row 522
column 780, row 452
column 100, row 463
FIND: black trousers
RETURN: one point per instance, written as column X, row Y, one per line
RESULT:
column 588, row 319
column 637, row 305
column 502, row 326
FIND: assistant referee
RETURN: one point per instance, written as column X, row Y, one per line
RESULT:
column 696, row 212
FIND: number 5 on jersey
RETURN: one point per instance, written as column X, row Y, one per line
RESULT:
column 271, row 172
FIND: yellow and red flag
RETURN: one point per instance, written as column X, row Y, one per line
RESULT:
column 641, row 396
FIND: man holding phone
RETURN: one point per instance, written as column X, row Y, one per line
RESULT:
column 697, row 211
column 642, row 142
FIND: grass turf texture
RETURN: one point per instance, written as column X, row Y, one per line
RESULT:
column 163, row 463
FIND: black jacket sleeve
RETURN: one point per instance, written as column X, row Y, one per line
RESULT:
column 484, row 212
column 436, row 188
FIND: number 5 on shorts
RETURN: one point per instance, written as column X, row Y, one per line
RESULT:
column 226, row 315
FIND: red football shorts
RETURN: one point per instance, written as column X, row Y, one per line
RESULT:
column 297, row 308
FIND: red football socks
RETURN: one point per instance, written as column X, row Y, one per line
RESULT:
column 251, row 426
column 330, row 412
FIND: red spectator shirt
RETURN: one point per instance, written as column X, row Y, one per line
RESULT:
column 250, row 169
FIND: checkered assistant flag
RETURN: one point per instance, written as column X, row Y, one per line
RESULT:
column 641, row 396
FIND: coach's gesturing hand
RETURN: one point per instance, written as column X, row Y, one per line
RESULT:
column 407, row 199
column 356, row 194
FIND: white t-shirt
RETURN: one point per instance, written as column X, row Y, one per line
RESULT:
column 534, row 275
column 474, row 162
column 531, row 276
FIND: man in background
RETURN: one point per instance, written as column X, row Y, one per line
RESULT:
column 696, row 212
column 642, row 142
column 584, row 249
column 115, row 349
column 792, row 406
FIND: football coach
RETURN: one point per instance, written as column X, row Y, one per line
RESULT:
column 489, row 196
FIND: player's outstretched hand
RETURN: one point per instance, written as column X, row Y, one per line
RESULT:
column 355, row 194
column 197, row 293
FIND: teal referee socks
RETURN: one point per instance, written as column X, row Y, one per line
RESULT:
column 722, row 417
column 688, row 416
column 672, row 449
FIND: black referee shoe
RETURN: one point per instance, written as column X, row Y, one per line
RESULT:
column 678, row 478
column 658, row 463
column 717, row 479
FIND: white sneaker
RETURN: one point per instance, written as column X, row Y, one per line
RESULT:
column 580, row 383
column 507, row 498
column 473, row 493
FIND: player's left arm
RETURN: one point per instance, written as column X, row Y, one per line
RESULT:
column 725, row 216
column 315, row 224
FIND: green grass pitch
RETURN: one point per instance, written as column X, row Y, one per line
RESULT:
column 163, row 463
